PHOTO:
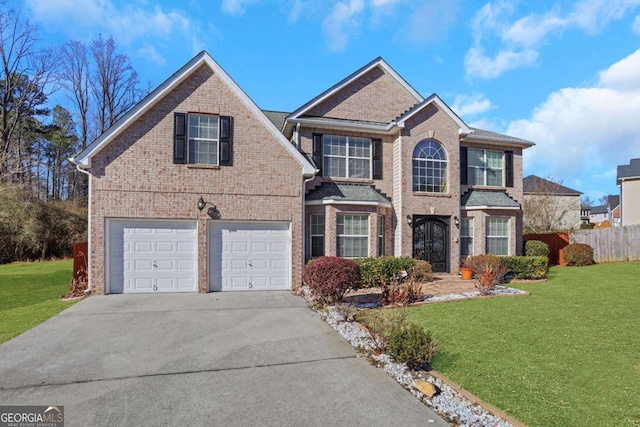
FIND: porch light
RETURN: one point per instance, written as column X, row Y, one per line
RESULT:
column 202, row 204
column 409, row 219
column 456, row 220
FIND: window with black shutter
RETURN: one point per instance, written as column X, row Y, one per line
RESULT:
column 203, row 139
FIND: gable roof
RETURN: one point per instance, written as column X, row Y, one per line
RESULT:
column 433, row 99
column 376, row 63
column 613, row 201
column 632, row 170
column 533, row 184
column 83, row 158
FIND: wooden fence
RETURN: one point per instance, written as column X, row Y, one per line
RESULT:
column 556, row 241
column 611, row 244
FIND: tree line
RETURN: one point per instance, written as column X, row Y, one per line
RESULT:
column 41, row 192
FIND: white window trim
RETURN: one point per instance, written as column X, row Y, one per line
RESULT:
column 347, row 157
column 189, row 139
column 311, row 235
column 487, row 236
column 381, row 235
column 471, row 237
column 367, row 235
column 486, row 168
column 424, row 160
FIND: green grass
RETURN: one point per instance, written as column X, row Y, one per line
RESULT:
column 30, row 294
column 568, row 355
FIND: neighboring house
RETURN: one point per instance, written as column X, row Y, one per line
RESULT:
column 585, row 214
column 629, row 182
column 550, row 206
column 609, row 213
column 197, row 189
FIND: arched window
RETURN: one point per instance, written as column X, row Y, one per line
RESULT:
column 429, row 167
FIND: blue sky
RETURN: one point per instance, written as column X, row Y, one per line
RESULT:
column 564, row 74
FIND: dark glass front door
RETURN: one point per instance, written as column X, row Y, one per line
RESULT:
column 430, row 241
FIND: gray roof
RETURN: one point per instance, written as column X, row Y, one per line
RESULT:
column 480, row 133
column 487, row 198
column 599, row 210
column 613, row 201
column 347, row 193
column 632, row 170
column 276, row 117
column 535, row 185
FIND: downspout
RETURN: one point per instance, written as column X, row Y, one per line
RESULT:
column 304, row 217
column 88, row 223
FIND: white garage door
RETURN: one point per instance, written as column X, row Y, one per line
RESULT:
column 249, row 256
column 152, row 256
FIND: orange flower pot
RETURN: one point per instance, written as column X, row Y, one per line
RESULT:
column 467, row 273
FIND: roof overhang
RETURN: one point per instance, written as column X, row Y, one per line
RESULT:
column 328, row 123
column 83, row 158
column 482, row 208
column 329, row 201
column 488, row 140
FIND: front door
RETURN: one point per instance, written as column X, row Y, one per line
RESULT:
column 431, row 241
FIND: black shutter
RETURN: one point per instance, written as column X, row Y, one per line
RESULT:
column 377, row 158
column 463, row 166
column 508, row 162
column 317, row 151
column 179, row 138
column 226, row 140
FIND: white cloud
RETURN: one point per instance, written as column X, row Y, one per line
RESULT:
column 518, row 41
column 595, row 126
column 235, row 7
column 471, row 105
column 341, row 22
column 635, row 27
column 478, row 64
column 429, row 21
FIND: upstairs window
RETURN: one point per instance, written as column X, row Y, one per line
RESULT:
column 429, row 167
column 347, row 156
column 202, row 139
column 485, row 167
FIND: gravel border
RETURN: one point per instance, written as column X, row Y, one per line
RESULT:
column 449, row 403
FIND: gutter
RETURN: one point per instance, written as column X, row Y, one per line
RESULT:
column 89, row 258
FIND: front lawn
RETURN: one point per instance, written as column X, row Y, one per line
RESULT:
column 30, row 294
column 568, row 355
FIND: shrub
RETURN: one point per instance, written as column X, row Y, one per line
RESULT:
column 578, row 254
column 526, row 267
column 411, row 345
column 402, row 293
column 586, row 226
column 381, row 271
column 331, row 277
column 421, row 272
column 378, row 322
column 536, row 248
column 488, row 271
column 369, row 272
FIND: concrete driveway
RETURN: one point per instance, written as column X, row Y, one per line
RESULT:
column 228, row 359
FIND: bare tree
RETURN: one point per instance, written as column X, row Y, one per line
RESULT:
column 26, row 73
column 114, row 82
column 74, row 77
column 549, row 206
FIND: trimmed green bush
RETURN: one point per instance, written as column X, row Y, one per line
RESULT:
column 375, row 271
column 578, row 254
column 331, row 277
column 526, row 267
column 536, row 248
column 369, row 272
column 411, row 345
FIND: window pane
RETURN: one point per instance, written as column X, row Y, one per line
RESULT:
column 317, row 246
column 359, row 168
column 498, row 236
column 475, row 176
column 429, row 167
column 466, row 227
column 475, row 157
column 203, row 151
column 335, row 166
column 203, row 139
column 494, row 177
column 353, row 235
column 494, row 159
column 317, row 224
column 466, row 246
column 353, row 247
column 381, row 235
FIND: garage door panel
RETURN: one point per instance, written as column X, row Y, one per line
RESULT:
column 153, row 256
column 242, row 256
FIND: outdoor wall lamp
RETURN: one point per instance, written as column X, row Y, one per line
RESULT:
column 456, row 220
column 409, row 219
column 202, row 204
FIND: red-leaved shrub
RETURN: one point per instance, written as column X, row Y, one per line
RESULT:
column 331, row 277
column 578, row 254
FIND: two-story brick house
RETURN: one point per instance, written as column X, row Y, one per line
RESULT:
column 197, row 189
